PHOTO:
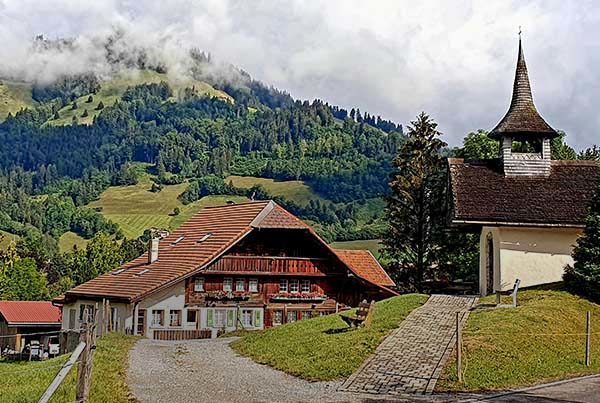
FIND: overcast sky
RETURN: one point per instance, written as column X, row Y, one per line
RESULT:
column 454, row 60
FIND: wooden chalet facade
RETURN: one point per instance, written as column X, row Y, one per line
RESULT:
column 240, row 266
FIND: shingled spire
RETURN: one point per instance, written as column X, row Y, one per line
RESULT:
column 522, row 120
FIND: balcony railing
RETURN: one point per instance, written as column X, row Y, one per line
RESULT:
column 271, row 264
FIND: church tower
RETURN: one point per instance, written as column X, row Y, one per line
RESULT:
column 523, row 134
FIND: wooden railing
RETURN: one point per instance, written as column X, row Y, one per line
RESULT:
column 270, row 264
column 181, row 334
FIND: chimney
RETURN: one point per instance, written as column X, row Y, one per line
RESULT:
column 153, row 250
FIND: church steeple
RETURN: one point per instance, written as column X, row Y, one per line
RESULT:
column 530, row 154
column 522, row 119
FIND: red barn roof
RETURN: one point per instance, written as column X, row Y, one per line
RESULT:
column 30, row 312
column 193, row 246
column 366, row 266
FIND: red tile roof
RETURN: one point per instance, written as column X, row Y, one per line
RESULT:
column 366, row 266
column 181, row 254
column 30, row 312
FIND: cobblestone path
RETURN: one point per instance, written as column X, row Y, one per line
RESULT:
column 411, row 358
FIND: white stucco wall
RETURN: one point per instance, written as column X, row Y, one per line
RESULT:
column 533, row 255
column 123, row 312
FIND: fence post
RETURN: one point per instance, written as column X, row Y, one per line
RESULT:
column 588, row 337
column 82, row 393
column 458, row 349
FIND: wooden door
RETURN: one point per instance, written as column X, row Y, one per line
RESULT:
column 141, row 322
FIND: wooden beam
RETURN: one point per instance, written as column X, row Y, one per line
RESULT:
column 62, row 373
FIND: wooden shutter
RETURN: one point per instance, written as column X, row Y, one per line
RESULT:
column 257, row 318
column 230, row 318
column 209, row 317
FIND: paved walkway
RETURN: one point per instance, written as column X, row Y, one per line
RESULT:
column 411, row 358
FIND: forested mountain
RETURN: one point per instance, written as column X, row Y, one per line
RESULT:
column 81, row 134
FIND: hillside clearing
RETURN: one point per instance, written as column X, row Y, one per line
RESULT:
column 135, row 208
column 112, row 90
column 6, row 238
column 69, row 240
column 27, row 381
column 296, row 191
column 322, row 348
column 540, row 341
column 372, row 245
column 14, row 96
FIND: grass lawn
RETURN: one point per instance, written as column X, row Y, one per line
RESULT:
column 296, row 191
column 26, row 381
column 321, row 348
column 135, row 208
column 506, row 348
column 372, row 245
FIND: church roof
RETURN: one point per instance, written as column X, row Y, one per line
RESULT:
column 522, row 119
column 481, row 194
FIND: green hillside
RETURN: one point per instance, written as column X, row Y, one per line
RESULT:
column 296, row 191
column 135, row 208
column 14, row 97
column 372, row 245
column 112, row 90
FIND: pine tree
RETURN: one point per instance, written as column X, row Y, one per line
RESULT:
column 414, row 208
column 90, row 100
column 74, row 106
column 584, row 276
column 100, row 106
column 56, row 115
column 85, row 114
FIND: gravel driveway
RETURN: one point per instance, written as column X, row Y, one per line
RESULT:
column 210, row 371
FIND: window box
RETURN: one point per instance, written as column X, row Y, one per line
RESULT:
column 227, row 296
column 287, row 296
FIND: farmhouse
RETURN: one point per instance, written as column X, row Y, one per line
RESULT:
column 528, row 208
column 240, row 266
column 26, row 321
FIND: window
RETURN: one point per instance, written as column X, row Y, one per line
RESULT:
column 247, row 318
column 199, row 284
column 175, row 317
column 192, row 316
column 253, row 285
column 306, row 315
column 277, row 318
column 227, row 283
column 91, row 310
column 72, row 313
column 294, row 286
column 240, row 284
column 305, row 286
column 158, row 317
column 220, row 318
column 283, row 285
column 292, row 316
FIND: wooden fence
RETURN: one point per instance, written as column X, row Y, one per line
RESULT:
column 182, row 334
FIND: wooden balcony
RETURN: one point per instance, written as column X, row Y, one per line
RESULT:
column 271, row 265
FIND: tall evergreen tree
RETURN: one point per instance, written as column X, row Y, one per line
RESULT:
column 584, row 276
column 414, row 208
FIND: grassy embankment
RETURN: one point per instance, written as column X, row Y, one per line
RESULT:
column 322, row 348
column 26, row 381
column 540, row 341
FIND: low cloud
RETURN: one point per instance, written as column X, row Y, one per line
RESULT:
column 455, row 61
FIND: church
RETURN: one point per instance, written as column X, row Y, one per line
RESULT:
column 528, row 208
